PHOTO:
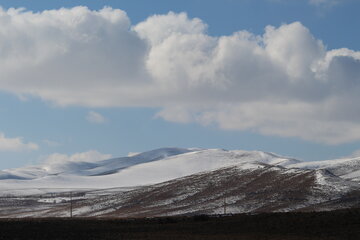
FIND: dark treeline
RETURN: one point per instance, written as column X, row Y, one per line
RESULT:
column 344, row 224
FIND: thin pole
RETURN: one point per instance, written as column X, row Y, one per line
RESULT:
column 224, row 205
column 71, row 205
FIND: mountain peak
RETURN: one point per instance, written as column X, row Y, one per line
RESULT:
column 157, row 166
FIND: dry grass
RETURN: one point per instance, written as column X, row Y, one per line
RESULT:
column 343, row 224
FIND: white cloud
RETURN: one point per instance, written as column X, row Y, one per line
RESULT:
column 323, row 2
column 356, row 153
column 51, row 143
column 318, row 3
column 95, row 117
column 15, row 144
column 89, row 156
column 70, row 56
column 131, row 154
column 58, row 162
column 284, row 82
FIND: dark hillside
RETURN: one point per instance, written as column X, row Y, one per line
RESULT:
column 343, row 224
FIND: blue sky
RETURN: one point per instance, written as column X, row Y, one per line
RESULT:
column 55, row 98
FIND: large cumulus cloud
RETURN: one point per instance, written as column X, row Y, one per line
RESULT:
column 284, row 82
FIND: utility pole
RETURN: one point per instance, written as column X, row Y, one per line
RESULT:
column 71, row 205
column 224, row 205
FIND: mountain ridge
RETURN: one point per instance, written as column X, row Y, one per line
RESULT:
column 174, row 181
column 157, row 166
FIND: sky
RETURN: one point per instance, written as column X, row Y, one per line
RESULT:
column 102, row 79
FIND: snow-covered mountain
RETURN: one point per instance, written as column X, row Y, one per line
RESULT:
column 142, row 169
column 173, row 181
column 347, row 168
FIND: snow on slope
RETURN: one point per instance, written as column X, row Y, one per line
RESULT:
column 153, row 167
column 88, row 168
column 146, row 168
column 246, row 187
column 347, row 168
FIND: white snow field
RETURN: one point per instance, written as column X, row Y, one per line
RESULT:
column 152, row 167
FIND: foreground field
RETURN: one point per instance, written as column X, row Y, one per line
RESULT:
column 343, row 224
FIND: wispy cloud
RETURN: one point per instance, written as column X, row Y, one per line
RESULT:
column 284, row 82
column 51, row 143
column 131, row 154
column 354, row 154
column 324, row 2
column 318, row 3
column 15, row 144
column 58, row 162
column 95, row 117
